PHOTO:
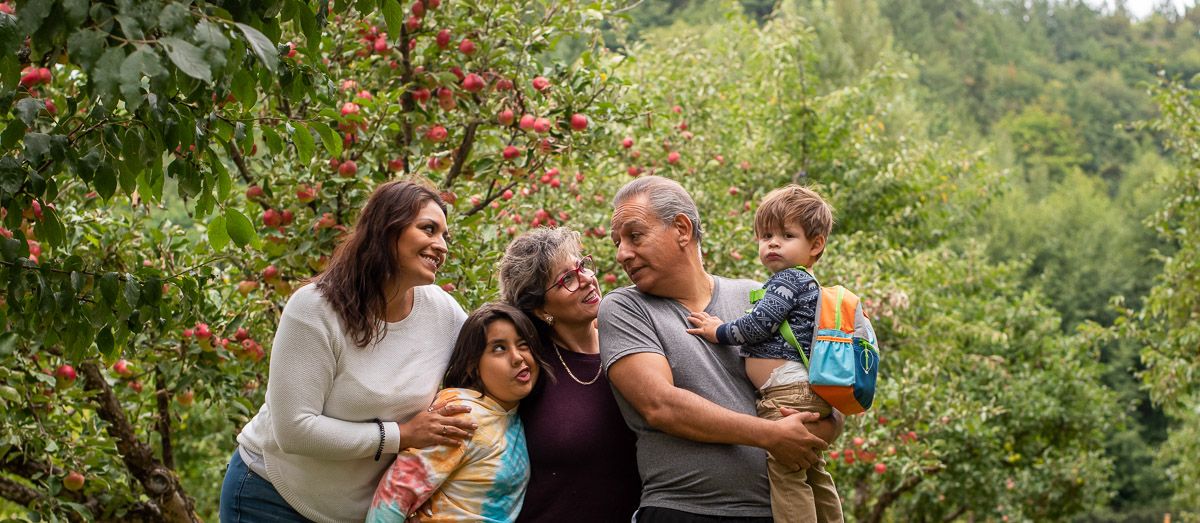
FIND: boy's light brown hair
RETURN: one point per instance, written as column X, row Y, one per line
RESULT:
column 795, row 204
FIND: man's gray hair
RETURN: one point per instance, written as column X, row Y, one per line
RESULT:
column 667, row 199
column 529, row 262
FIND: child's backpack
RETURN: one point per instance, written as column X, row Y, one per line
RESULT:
column 845, row 359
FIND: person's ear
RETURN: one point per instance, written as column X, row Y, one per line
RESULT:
column 818, row 246
column 682, row 226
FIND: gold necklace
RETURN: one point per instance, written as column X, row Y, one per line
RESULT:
column 572, row 374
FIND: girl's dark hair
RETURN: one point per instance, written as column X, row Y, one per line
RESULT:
column 353, row 284
column 463, row 371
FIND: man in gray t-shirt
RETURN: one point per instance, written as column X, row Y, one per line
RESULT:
column 700, row 443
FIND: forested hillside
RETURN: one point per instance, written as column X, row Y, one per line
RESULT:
column 1052, row 91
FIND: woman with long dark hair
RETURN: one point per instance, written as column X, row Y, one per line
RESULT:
column 355, row 364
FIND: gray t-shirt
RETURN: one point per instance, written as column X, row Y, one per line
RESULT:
column 701, row 478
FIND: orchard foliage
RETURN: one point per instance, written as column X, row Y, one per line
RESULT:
column 172, row 170
column 1168, row 326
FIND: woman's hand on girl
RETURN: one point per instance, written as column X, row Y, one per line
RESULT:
column 437, row 425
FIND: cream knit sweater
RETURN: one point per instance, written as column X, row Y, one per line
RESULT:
column 315, row 430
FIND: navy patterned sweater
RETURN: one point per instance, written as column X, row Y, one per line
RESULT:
column 791, row 294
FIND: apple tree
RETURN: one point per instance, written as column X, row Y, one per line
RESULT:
column 1167, row 326
column 170, row 171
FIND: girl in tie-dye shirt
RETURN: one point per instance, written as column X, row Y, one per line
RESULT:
column 495, row 364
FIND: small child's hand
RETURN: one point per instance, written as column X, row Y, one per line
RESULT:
column 706, row 325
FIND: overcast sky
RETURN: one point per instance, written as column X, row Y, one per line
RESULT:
column 1141, row 8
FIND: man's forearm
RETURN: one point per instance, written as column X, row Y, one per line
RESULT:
column 682, row 413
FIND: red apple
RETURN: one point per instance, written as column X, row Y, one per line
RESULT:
column 673, row 157
column 527, row 121
column 288, row 216
column 65, row 376
column 381, row 45
column 271, row 218
column 579, row 122
column 271, row 275
column 473, row 83
column 506, row 117
column 511, row 152
column 418, row 9
column 396, row 165
column 307, row 194
column 349, row 108
column 245, row 287
column 443, row 38
column 466, row 47
column 541, row 125
column 413, row 24
column 186, row 398
column 858, row 442
column 880, row 468
column 255, row 193
column 137, row 385
column 541, row 83
column 508, row 195
column 883, row 420
column 51, row 108
column 73, row 481
column 448, row 287
column 610, row 279
column 733, row 191
column 436, row 134
column 627, row 142
column 422, row 95
column 677, row 109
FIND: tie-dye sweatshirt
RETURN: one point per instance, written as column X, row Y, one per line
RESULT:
column 482, row 480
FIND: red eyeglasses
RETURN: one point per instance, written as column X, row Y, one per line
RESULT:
column 571, row 279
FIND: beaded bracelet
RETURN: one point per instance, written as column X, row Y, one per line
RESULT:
column 379, row 452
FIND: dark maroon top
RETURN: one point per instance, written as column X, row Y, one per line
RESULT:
column 582, row 456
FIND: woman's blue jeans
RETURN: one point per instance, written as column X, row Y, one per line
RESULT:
column 247, row 497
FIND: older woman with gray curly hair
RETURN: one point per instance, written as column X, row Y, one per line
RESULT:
column 583, row 458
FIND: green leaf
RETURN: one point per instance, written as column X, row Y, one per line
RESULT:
column 104, row 341
column 12, row 134
column 304, row 144
column 393, row 14
column 37, row 145
column 273, row 141
column 173, row 18
column 51, row 228
column 32, row 15
column 8, row 342
column 12, row 175
column 28, row 109
column 218, row 235
column 188, row 58
column 333, row 142
column 243, row 89
column 209, row 34
column 85, row 47
column 109, row 287
column 105, row 181
column 135, row 65
column 107, row 73
column 262, row 47
column 132, row 290
column 10, row 35
column 76, row 12
column 241, row 231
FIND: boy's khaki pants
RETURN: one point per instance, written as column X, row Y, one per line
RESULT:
column 808, row 495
